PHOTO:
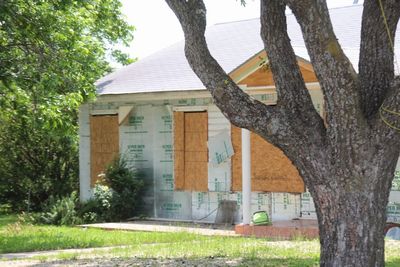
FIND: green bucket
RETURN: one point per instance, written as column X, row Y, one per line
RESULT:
column 261, row 218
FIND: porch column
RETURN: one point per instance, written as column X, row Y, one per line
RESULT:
column 246, row 176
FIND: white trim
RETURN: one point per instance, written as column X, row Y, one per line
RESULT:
column 154, row 96
column 123, row 113
column 309, row 86
column 103, row 112
column 190, row 108
column 246, row 176
column 256, row 66
column 173, row 95
column 84, row 153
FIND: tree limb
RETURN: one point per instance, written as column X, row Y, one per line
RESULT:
column 239, row 107
column 336, row 75
column 376, row 69
column 387, row 122
column 279, row 125
column 289, row 82
column 290, row 86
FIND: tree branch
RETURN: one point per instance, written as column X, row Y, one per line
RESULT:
column 292, row 92
column 236, row 105
column 336, row 75
column 288, row 129
column 376, row 69
column 387, row 122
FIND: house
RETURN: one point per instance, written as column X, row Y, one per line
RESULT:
column 158, row 114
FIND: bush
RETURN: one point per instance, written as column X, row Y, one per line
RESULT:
column 61, row 211
column 114, row 198
column 97, row 209
column 126, row 188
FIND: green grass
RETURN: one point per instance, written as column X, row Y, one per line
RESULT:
column 17, row 237
column 6, row 219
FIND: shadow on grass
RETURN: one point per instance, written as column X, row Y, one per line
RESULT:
column 210, row 261
column 26, row 243
column 287, row 261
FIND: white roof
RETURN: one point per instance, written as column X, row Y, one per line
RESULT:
column 231, row 44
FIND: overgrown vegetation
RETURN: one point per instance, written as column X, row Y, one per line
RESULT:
column 115, row 198
column 51, row 54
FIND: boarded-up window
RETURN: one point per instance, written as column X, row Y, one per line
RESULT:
column 104, row 143
column 190, row 151
column 271, row 170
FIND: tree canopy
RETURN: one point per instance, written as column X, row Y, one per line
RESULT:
column 51, row 54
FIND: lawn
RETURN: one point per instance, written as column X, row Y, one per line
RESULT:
column 21, row 237
column 17, row 237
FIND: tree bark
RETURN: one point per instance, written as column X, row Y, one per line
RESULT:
column 351, row 230
column 351, row 221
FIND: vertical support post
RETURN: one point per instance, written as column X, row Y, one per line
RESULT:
column 246, row 176
column 85, row 191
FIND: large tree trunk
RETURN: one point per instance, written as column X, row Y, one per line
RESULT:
column 351, row 236
column 352, row 214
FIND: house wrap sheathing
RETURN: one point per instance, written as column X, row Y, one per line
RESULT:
column 161, row 119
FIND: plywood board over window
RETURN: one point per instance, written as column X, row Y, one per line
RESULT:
column 104, row 143
column 190, row 151
column 271, row 170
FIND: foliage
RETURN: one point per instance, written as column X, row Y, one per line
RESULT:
column 119, row 196
column 126, row 188
column 117, row 200
column 97, row 209
column 51, row 54
column 62, row 211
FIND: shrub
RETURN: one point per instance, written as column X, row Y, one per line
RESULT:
column 62, row 211
column 126, row 189
column 97, row 208
column 114, row 198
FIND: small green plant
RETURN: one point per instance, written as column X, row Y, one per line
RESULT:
column 97, row 208
column 62, row 211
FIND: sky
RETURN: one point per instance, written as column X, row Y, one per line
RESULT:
column 157, row 27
